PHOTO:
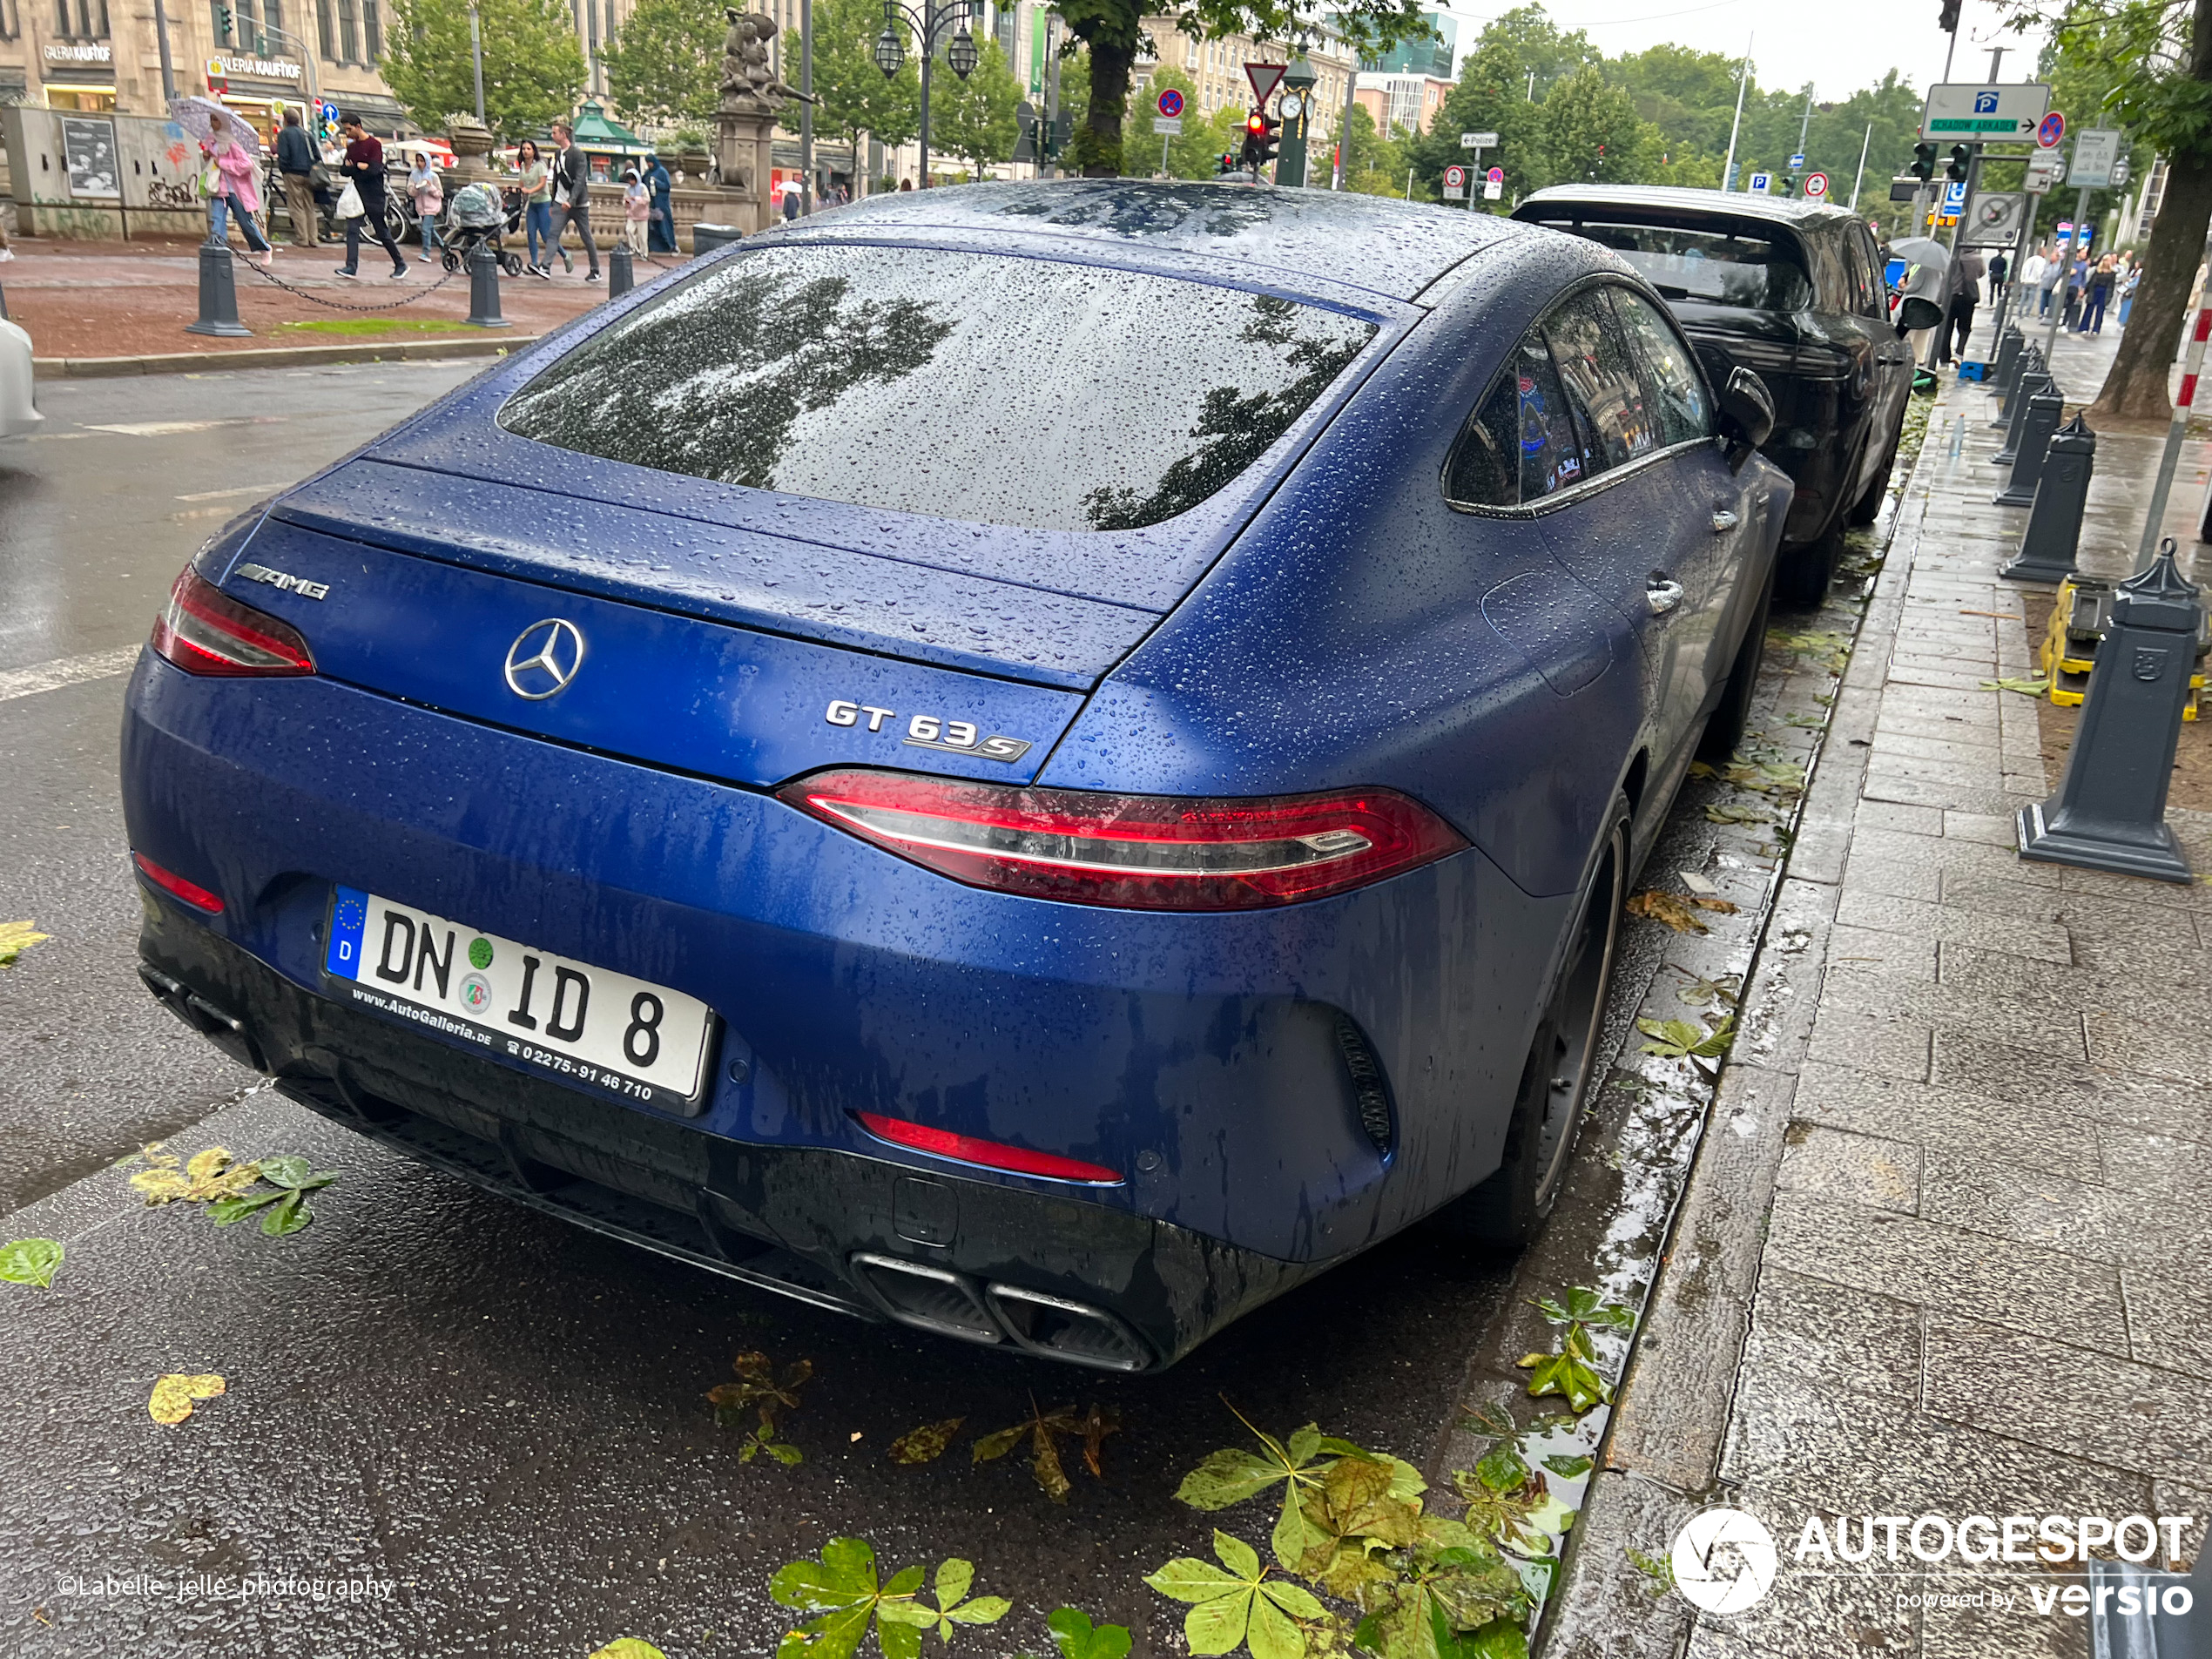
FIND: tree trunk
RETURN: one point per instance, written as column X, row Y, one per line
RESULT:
column 1110, row 63
column 2135, row 388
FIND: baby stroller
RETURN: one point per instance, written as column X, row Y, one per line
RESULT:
column 477, row 215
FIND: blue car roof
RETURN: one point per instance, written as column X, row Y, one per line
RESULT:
column 1373, row 243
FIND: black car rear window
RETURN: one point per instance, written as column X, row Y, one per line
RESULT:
column 1720, row 265
column 992, row 388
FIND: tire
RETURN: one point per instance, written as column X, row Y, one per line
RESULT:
column 1868, row 506
column 1508, row 1210
column 1724, row 727
column 449, row 260
column 395, row 220
column 511, row 263
column 1801, row 573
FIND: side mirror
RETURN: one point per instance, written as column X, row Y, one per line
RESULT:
column 1747, row 414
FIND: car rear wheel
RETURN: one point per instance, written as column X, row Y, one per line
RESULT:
column 1801, row 573
column 1868, row 506
column 1725, row 729
column 1507, row 1211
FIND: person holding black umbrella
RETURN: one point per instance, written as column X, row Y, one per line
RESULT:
column 363, row 166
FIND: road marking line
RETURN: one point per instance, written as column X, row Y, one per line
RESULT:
column 243, row 490
column 163, row 429
column 68, row 671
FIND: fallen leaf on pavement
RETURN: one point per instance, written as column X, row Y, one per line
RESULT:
column 628, row 1648
column 17, row 937
column 926, row 1444
column 1673, row 908
column 174, row 1394
column 2026, row 688
column 30, row 1261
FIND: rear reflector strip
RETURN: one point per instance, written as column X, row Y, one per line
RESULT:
column 1133, row 852
column 991, row 1155
column 170, row 882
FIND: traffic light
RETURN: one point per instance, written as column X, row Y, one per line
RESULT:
column 223, row 22
column 1784, row 185
column 1950, row 17
column 1228, row 162
column 1962, row 158
column 1923, row 167
column 1261, row 131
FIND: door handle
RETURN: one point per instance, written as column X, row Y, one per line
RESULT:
column 1724, row 521
column 1662, row 593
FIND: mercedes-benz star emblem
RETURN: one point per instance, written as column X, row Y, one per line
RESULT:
column 544, row 658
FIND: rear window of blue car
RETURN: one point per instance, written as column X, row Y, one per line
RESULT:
column 995, row 389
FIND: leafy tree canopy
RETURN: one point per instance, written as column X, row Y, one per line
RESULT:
column 666, row 63
column 855, row 97
column 973, row 118
column 533, row 68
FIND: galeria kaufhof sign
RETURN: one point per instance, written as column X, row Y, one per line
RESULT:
column 255, row 69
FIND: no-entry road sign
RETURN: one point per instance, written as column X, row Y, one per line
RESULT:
column 1816, row 186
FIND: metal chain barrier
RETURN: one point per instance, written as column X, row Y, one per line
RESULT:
column 341, row 305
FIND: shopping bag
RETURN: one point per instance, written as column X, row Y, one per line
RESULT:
column 349, row 202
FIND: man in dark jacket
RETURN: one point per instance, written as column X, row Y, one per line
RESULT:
column 663, row 240
column 296, row 164
column 572, row 197
column 364, row 165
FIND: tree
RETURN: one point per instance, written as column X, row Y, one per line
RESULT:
column 973, row 118
column 1374, row 164
column 1589, row 132
column 1491, row 96
column 2155, row 58
column 1195, row 153
column 856, row 98
column 1111, row 32
column 533, row 68
column 666, row 64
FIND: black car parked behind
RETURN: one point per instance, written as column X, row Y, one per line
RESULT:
column 1794, row 290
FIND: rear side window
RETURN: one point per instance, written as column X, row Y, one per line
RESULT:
column 996, row 389
column 1674, row 391
column 1521, row 445
column 1603, row 379
column 1721, row 266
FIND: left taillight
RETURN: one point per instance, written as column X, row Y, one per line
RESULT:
column 203, row 631
column 1133, row 852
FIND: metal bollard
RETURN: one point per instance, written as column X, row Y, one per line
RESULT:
column 2030, row 362
column 217, row 294
column 2110, row 813
column 2055, row 525
column 2008, row 360
column 2043, row 412
column 2032, row 384
column 483, row 289
column 621, row 279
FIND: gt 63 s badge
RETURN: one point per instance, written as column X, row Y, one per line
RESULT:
column 931, row 732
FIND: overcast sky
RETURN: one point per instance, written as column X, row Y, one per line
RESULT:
column 1838, row 48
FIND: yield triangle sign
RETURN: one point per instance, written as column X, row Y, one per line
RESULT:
column 1264, row 77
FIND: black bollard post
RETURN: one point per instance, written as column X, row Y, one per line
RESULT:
column 2110, row 813
column 483, row 289
column 621, row 278
column 217, row 294
column 2043, row 412
column 2030, row 361
column 2034, row 384
column 2009, row 361
column 2055, row 524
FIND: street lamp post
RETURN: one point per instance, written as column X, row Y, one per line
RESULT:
column 477, row 61
column 927, row 24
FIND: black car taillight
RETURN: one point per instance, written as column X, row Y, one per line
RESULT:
column 203, row 631
column 1133, row 852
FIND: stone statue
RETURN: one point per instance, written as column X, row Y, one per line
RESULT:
column 750, row 85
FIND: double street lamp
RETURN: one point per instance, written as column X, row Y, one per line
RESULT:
column 928, row 23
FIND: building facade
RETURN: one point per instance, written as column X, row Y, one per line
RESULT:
column 1403, row 102
column 1432, row 56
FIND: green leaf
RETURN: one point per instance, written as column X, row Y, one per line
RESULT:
column 1077, row 1638
column 1269, row 1628
column 1567, row 1469
column 224, row 1211
column 790, row 1456
column 926, row 1444
column 953, row 1579
column 30, row 1261
column 1188, row 1579
column 845, row 1573
column 998, row 1445
column 287, row 1215
column 1298, row 1602
column 834, row 1636
column 1227, row 1476
column 284, row 1171
column 628, row 1648
column 1503, row 1470
column 1237, row 1556
column 1217, row 1626
column 1568, row 1375
column 898, row 1641
column 1500, row 1639
column 984, row 1609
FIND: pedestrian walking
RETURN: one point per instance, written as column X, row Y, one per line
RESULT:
column 636, row 209
column 227, row 181
column 2128, row 291
column 429, row 199
column 537, row 187
column 2077, row 282
column 1999, row 268
column 2101, row 285
column 2047, row 279
column 362, row 168
column 1959, row 314
column 296, row 167
column 663, row 240
column 791, row 203
column 572, row 199
column 6, row 252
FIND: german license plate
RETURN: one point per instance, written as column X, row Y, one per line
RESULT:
column 584, row 1024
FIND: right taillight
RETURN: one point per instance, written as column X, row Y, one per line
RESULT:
column 203, row 631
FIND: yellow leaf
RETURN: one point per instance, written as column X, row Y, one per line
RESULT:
column 1673, row 908
column 1721, row 906
column 17, row 937
column 174, row 1394
column 206, row 1166
column 628, row 1648
column 160, row 1186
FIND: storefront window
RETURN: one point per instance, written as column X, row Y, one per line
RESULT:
column 89, row 100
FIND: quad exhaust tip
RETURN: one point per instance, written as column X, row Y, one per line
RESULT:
column 950, row 1303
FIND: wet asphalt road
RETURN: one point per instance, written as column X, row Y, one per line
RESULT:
column 494, row 1420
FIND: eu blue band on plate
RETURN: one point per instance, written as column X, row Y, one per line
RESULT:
column 349, row 917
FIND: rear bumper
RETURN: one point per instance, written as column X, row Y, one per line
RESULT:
column 1071, row 1281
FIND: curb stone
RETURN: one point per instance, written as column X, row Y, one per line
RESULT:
column 195, row 363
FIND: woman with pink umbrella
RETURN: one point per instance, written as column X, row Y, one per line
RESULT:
column 229, row 179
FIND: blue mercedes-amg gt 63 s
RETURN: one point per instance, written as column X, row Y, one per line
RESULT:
column 1042, row 761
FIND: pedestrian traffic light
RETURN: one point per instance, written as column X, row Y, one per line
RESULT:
column 1962, row 158
column 1923, row 167
column 1261, row 131
column 1228, row 162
